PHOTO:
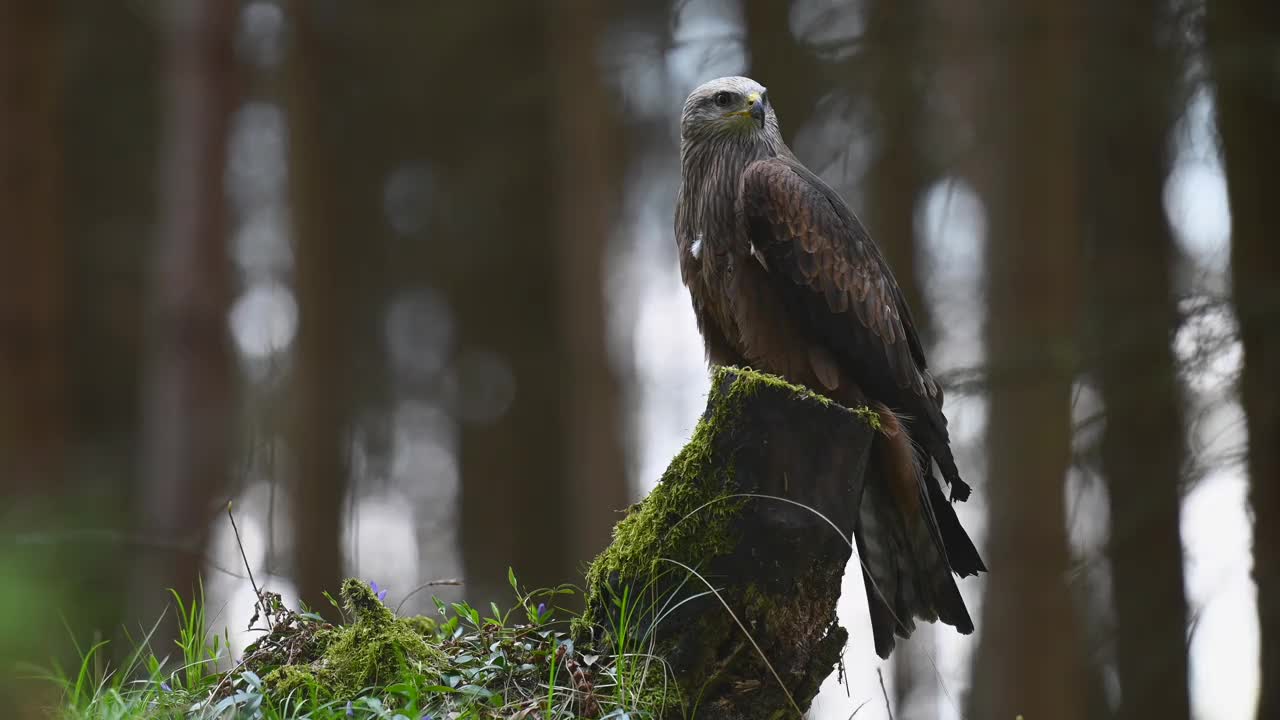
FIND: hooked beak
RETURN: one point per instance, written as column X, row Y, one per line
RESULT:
column 756, row 109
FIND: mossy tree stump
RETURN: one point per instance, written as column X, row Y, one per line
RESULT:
column 776, row 563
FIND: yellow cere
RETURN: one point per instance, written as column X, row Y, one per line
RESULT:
column 752, row 99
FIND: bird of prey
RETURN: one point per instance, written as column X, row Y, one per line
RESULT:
column 785, row 279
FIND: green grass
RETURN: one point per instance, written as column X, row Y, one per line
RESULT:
column 459, row 664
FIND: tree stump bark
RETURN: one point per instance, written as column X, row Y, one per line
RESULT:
column 734, row 591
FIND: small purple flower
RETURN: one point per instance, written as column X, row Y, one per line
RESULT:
column 351, row 712
column 382, row 594
column 165, row 687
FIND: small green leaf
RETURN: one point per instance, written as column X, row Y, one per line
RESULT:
column 476, row 690
column 252, row 678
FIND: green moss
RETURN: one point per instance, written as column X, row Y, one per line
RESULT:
column 686, row 517
column 755, row 603
column 871, row 417
column 423, row 625
column 292, row 680
column 661, row 696
column 749, row 381
column 783, row 613
column 370, row 651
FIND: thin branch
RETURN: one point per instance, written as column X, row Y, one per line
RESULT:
column 885, row 693
column 257, row 594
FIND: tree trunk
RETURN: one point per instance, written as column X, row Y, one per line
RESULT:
column 536, row 400
column 33, row 323
column 1242, row 38
column 781, row 62
column 738, row 594
column 588, row 166
column 513, row 384
column 323, row 386
column 190, row 390
column 111, row 117
column 1029, row 659
column 892, row 69
column 1131, row 63
column 32, row 273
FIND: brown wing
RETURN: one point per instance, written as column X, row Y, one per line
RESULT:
column 808, row 236
column 831, row 276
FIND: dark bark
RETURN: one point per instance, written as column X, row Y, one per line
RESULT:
column 775, row 563
column 1242, row 44
column 535, row 185
column 190, row 388
column 353, row 127
column 588, row 166
column 32, row 272
column 890, row 73
column 1131, row 63
column 33, row 372
column 781, row 62
column 323, row 382
column 111, row 119
column 512, row 449
column 1029, row 660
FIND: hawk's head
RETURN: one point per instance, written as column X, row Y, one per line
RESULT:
column 728, row 106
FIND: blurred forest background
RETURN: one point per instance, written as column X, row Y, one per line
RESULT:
column 398, row 278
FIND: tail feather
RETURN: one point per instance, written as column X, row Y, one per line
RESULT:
column 940, row 450
column 961, row 552
column 906, row 536
column 883, row 618
column 928, row 427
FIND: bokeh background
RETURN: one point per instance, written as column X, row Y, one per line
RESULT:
column 397, row 278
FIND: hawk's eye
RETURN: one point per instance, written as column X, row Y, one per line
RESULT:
column 723, row 98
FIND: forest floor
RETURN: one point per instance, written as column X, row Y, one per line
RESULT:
column 461, row 664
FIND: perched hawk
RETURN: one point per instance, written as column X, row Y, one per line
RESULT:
column 785, row 279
